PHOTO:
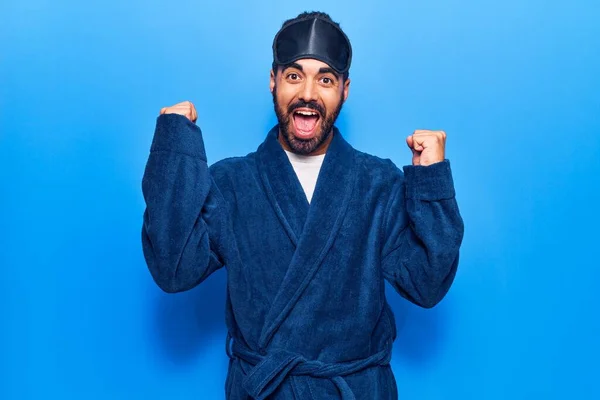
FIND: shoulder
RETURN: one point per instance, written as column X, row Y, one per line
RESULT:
column 231, row 163
column 228, row 169
column 378, row 168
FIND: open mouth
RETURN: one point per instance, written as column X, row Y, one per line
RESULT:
column 305, row 123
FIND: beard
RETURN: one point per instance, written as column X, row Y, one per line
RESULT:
column 326, row 121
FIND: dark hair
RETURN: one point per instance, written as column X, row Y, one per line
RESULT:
column 304, row 16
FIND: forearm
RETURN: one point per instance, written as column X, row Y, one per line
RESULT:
column 422, row 262
column 176, row 186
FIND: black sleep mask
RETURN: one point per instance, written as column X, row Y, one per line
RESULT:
column 313, row 38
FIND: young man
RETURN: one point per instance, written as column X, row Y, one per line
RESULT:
column 308, row 229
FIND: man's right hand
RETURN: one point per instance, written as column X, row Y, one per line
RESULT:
column 185, row 108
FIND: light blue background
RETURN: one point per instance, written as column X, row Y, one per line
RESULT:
column 515, row 84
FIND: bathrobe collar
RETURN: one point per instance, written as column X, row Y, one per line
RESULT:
column 311, row 228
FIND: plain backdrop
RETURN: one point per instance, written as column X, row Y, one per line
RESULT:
column 515, row 84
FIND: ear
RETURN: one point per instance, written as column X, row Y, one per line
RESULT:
column 346, row 88
column 272, row 81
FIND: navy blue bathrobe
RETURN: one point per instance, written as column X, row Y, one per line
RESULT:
column 306, row 312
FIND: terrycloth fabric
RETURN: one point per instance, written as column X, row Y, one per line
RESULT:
column 306, row 309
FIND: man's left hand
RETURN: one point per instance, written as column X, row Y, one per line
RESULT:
column 428, row 147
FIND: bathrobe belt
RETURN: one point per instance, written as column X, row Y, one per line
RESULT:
column 271, row 369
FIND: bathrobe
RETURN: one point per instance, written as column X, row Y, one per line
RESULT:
column 306, row 312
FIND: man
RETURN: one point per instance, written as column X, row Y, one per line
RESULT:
column 308, row 229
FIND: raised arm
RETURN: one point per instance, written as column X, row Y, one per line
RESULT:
column 184, row 222
column 424, row 233
column 424, row 229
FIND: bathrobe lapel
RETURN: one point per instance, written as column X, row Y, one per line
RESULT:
column 282, row 186
column 312, row 229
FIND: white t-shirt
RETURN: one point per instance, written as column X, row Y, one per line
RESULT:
column 307, row 169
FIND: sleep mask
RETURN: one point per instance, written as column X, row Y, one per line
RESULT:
column 313, row 38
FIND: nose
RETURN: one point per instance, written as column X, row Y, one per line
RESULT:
column 308, row 92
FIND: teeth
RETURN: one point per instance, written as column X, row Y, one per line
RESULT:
column 306, row 113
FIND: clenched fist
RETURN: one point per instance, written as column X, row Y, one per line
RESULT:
column 428, row 147
column 185, row 108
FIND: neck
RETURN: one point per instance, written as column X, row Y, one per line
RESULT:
column 322, row 149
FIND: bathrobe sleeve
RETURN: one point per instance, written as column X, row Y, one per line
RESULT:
column 424, row 231
column 183, row 223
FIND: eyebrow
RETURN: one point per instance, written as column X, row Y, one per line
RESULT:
column 327, row 70
column 294, row 65
column 324, row 70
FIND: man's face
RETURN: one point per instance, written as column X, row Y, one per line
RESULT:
column 308, row 97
